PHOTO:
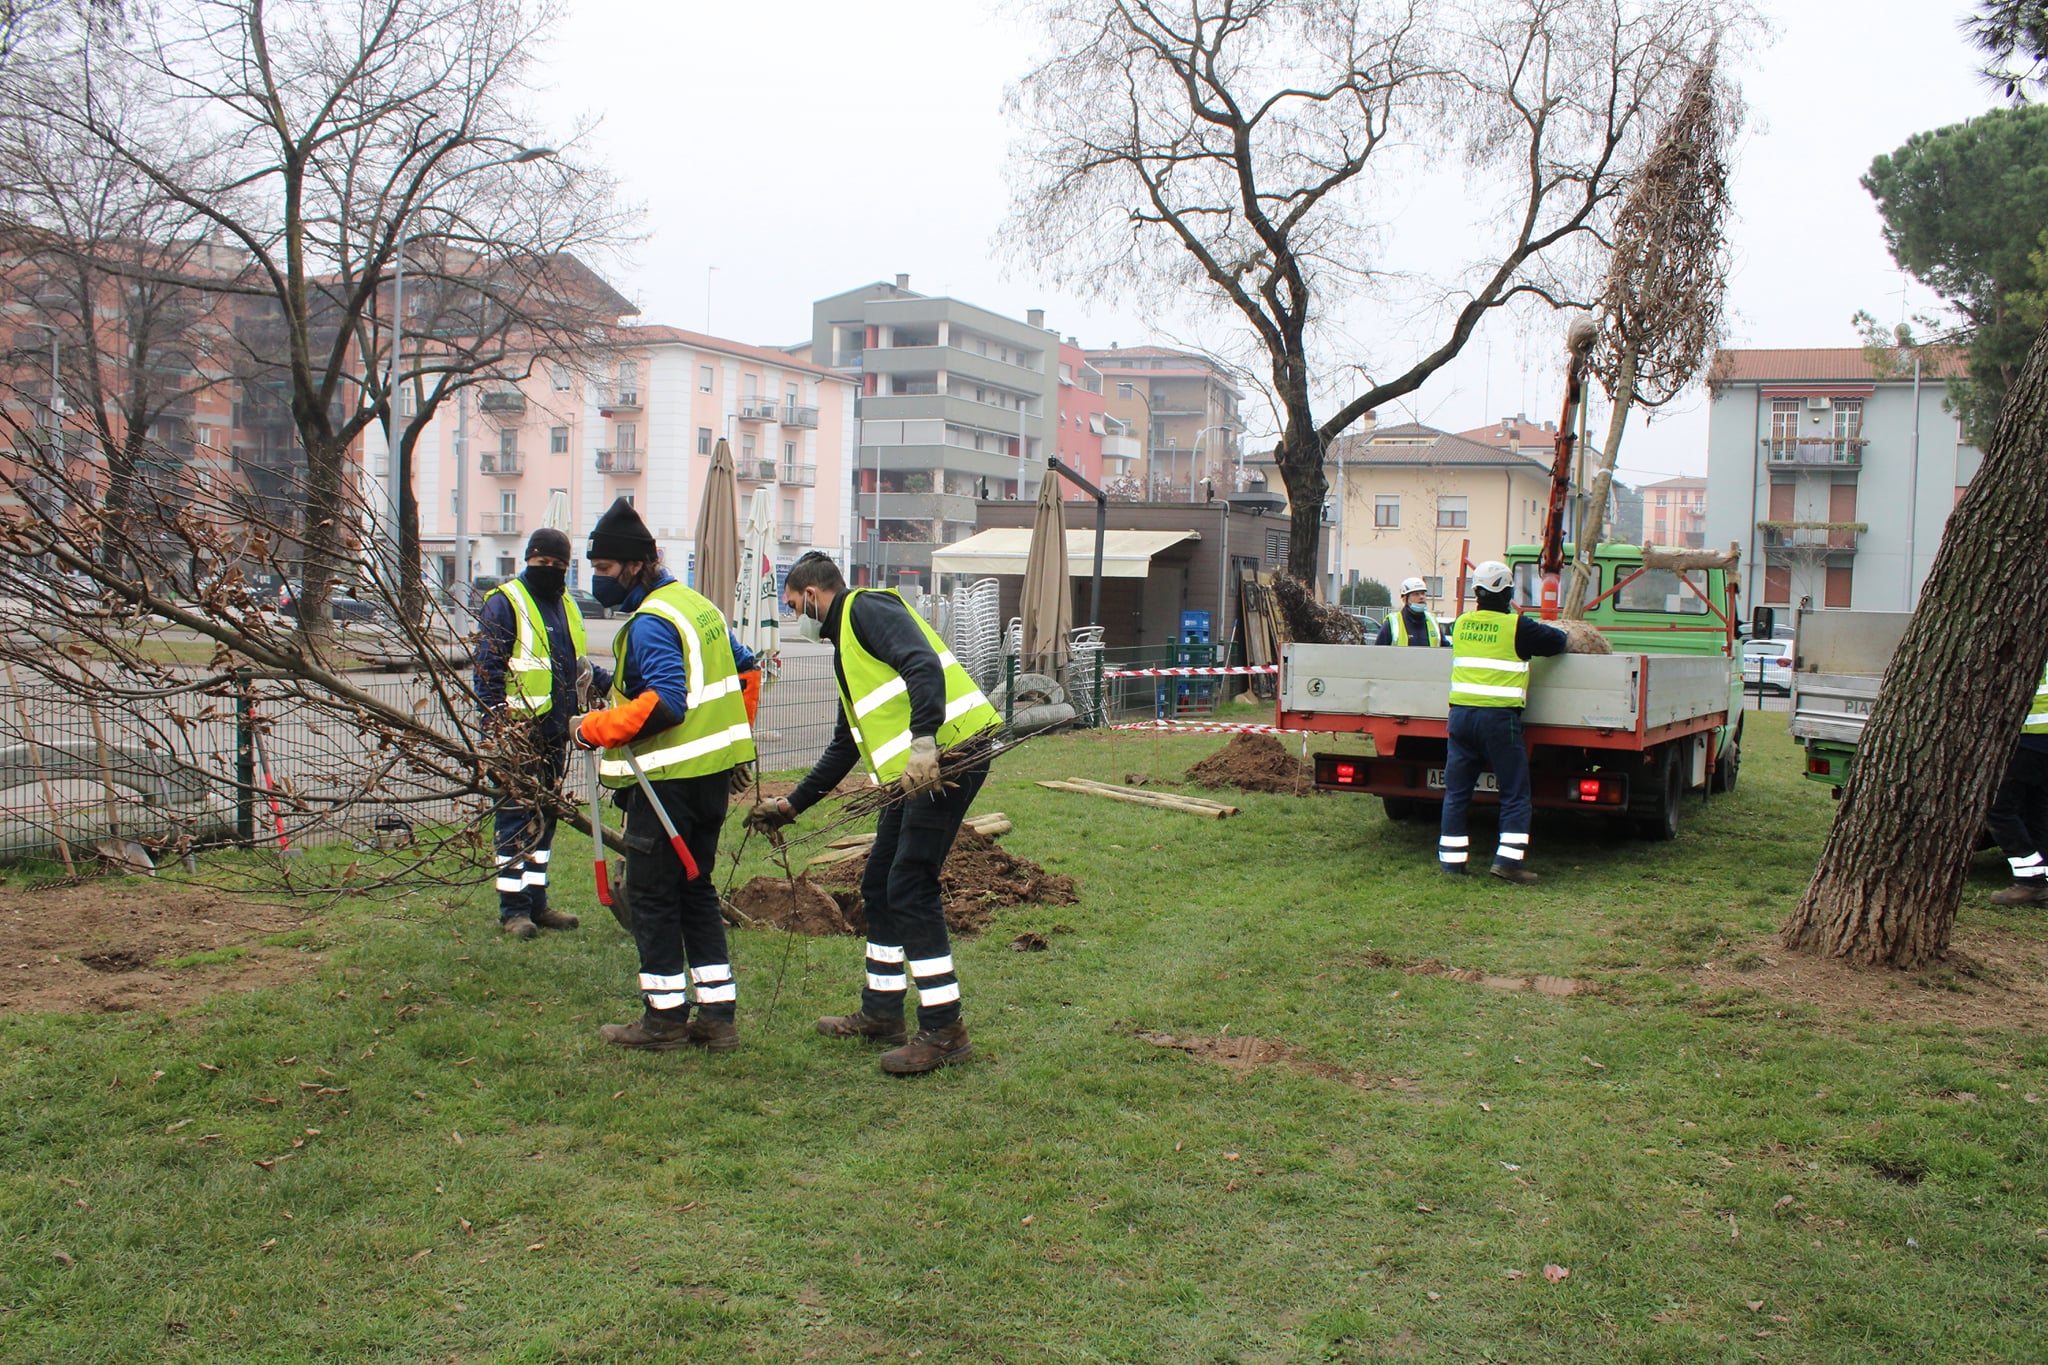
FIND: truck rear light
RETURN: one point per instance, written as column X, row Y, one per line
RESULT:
column 1589, row 789
column 1818, row 765
column 1596, row 791
column 1347, row 772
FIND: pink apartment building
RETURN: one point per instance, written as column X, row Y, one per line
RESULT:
column 639, row 420
column 1085, row 436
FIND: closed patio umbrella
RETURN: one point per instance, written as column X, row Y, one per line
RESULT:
column 718, row 535
column 1047, row 606
column 759, row 621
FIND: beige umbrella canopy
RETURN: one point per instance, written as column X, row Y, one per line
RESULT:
column 1048, row 602
column 718, row 535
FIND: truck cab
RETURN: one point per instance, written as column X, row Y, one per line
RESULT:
column 1644, row 611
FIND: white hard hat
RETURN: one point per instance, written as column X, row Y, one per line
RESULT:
column 1409, row 585
column 1493, row 576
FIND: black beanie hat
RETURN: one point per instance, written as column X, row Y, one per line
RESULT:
column 621, row 535
column 550, row 542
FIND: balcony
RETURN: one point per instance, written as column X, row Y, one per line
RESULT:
column 506, row 463
column 618, row 461
column 754, row 471
column 793, row 416
column 758, row 408
column 1812, row 537
column 502, row 403
column 1834, row 452
column 500, row 524
column 793, row 532
column 621, row 400
column 801, row 474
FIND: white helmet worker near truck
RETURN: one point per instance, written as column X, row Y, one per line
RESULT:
column 1490, row 651
column 1410, row 623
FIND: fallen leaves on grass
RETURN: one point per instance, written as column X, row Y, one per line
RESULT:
column 1556, row 1274
column 1517, row 1275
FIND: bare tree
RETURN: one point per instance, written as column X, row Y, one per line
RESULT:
column 1660, row 308
column 315, row 139
column 1236, row 154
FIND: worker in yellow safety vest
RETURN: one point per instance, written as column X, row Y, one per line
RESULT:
column 2015, row 818
column 1491, row 647
column 903, row 699
column 1411, row 622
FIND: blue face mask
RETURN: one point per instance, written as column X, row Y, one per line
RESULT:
column 607, row 589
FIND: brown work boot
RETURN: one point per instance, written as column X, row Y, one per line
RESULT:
column 1516, row 873
column 519, row 926
column 861, row 1024
column 2019, row 893
column 651, row 1033
column 931, row 1049
column 555, row 919
column 714, row 1035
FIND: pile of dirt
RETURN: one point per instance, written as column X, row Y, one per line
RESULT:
column 104, row 948
column 1252, row 763
column 802, row 908
column 980, row 877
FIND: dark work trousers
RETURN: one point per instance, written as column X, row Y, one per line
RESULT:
column 523, row 836
column 906, row 914
column 1485, row 738
column 676, row 923
column 2016, row 814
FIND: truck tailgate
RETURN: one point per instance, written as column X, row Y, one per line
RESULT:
column 1831, row 706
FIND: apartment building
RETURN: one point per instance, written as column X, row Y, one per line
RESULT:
column 957, row 402
column 1408, row 499
column 639, row 417
column 1836, row 475
column 1675, row 512
column 1086, row 438
column 1186, row 407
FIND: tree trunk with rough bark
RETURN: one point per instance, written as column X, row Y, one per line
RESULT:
column 411, row 588
column 1940, row 735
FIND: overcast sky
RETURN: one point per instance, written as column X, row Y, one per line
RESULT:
column 788, row 149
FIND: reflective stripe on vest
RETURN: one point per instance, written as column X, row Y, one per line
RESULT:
column 2037, row 714
column 530, row 671
column 714, row 735
column 1430, row 634
column 877, row 700
column 1485, row 670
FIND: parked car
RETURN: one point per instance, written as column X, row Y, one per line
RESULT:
column 342, row 606
column 1767, row 666
column 592, row 609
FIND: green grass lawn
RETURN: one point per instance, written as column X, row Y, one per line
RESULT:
column 1725, row 1176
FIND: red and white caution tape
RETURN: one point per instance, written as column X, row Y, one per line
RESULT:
column 1188, row 672
column 1179, row 728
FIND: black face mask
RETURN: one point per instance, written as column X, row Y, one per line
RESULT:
column 545, row 581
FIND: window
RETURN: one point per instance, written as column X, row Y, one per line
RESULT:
column 1529, row 584
column 704, row 379
column 1386, row 509
column 1433, row 584
column 747, row 445
column 629, row 377
column 1777, row 585
column 1660, row 590
column 1848, row 418
column 558, row 440
column 627, row 494
column 1276, row 547
column 508, row 501
column 1785, row 419
column 1841, row 584
column 789, row 452
column 408, row 402
column 703, row 440
column 1451, row 510
column 507, row 568
column 1660, row 499
column 629, row 436
column 561, row 379
column 508, row 443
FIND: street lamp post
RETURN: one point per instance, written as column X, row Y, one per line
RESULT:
column 392, row 480
column 1195, row 460
column 1129, row 390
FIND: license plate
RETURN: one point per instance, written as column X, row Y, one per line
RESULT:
column 1487, row 781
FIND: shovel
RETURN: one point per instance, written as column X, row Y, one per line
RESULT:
column 675, row 840
column 123, row 852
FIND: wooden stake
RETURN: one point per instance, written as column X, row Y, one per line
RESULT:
column 1157, row 800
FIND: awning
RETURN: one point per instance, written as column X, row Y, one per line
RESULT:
column 1125, row 554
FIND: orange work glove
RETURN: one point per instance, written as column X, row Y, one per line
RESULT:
column 618, row 727
column 750, row 691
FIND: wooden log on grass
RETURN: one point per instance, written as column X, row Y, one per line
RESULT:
column 995, row 824
column 1186, row 805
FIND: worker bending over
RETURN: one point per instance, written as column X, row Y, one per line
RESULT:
column 1412, row 624
column 677, row 708
column 902, row 697
column 2016, row 812
column 1490, row 651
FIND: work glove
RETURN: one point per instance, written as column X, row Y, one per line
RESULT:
column 921, row 772
column 770, row 815
column 750, row 693
column 617, row 727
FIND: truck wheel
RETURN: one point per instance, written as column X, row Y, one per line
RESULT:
column 1408, row 810
column 1730, row 764
column 1666, row 777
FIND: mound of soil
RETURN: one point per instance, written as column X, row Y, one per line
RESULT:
column 101, row 948
column 803, row 908
column 980, row 877
column 1252, row 763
